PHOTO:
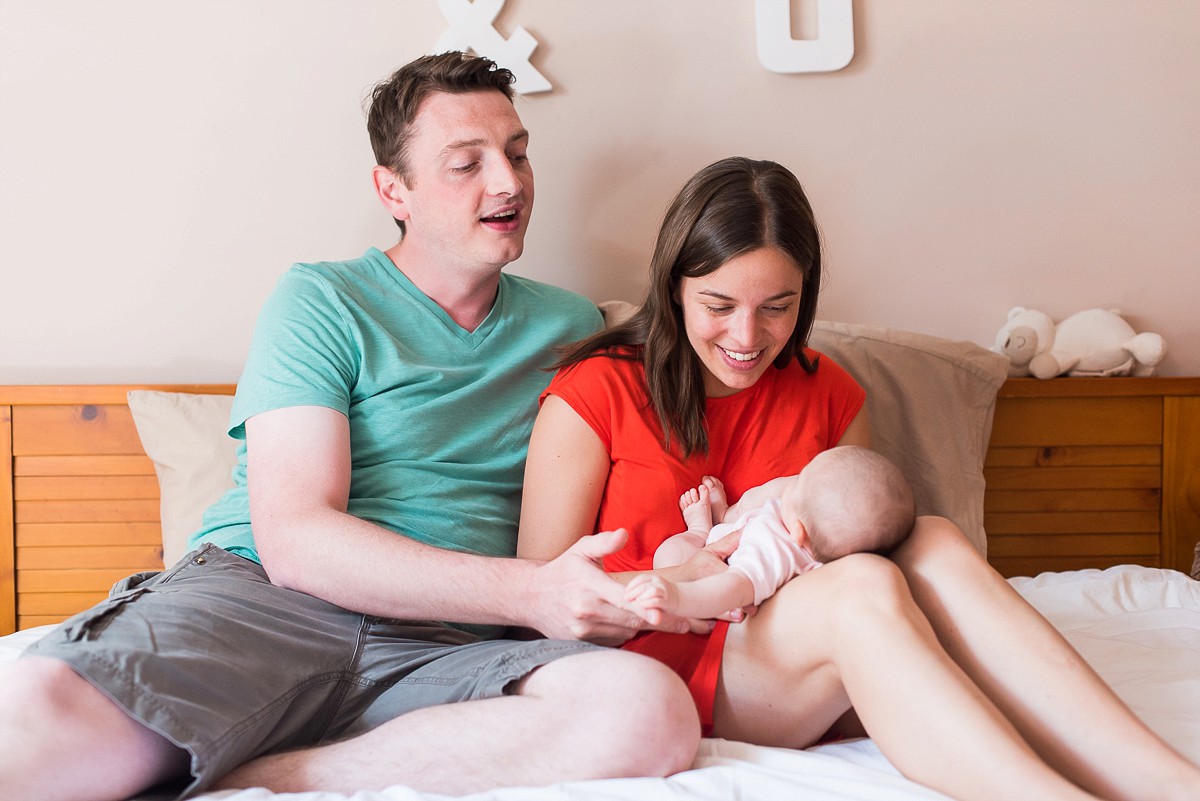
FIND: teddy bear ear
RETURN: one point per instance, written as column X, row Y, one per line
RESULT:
column 1015, row 310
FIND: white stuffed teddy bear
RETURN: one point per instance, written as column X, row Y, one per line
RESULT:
column 1095, row 342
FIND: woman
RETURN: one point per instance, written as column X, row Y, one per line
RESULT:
column 962, row 685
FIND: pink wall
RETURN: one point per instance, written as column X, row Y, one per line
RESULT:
column 975, row 155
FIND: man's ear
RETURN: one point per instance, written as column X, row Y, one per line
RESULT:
column 391, row 190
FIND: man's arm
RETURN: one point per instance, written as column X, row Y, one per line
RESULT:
column 298, row 472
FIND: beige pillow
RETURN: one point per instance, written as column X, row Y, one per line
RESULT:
column 930, row 402
column 185, row 436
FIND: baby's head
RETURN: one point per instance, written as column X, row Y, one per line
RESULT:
column 848, row 500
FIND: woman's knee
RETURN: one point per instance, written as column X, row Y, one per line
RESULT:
column 855, row 592
column 937, row 546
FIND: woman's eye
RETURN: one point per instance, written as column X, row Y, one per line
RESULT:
column 719, row 309
column 775, row 309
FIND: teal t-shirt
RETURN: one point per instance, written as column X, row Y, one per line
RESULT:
column 439, row 417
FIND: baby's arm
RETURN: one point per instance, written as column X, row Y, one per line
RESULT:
column 650, row 596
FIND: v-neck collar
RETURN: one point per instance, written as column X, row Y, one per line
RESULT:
column 470, row 338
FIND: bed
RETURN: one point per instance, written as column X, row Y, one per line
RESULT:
column 102, row 481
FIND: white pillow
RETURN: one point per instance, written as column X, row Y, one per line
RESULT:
column 185, row 436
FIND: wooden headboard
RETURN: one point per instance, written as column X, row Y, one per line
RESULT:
column 1081, row 473
column 78, row 498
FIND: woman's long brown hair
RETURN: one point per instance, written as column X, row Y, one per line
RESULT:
column 729, row 208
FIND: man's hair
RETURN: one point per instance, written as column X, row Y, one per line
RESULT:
column 856, row 500
column 729, row 208
column 396, row 100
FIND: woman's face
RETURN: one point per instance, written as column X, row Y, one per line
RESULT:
column 740, row 316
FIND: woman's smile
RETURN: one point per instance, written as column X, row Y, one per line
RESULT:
column 739, row 317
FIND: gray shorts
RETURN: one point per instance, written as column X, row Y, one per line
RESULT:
column 225, row 664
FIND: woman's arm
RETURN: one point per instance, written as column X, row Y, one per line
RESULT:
column 859, row 430
column 565, row 476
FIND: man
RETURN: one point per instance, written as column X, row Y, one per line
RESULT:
column 384, row 396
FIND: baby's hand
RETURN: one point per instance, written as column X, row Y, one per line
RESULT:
column 649, row 596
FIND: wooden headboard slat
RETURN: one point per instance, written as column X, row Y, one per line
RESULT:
column 105, row 465
column 79, row 505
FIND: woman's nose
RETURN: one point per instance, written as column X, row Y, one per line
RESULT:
column 744, row 328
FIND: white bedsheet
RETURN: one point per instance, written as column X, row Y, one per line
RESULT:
column 1139, row 627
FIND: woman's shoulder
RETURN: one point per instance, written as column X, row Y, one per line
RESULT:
column 604, row 363
column 826, row 377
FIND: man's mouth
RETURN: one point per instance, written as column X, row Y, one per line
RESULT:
column 502, row 217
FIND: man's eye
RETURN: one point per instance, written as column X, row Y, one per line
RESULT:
column 463, row 167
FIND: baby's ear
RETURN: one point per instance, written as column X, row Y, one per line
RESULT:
column 799, row 533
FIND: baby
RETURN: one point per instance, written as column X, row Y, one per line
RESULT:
column 846, row 500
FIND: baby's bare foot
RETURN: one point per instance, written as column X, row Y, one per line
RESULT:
column 697, row 512
column 717, row 501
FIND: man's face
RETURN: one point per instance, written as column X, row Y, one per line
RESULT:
column 469, row 192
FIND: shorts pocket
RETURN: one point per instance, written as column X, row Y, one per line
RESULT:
column 88, row 624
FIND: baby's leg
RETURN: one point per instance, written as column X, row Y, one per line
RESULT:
column 717, row 500
column 697, row 510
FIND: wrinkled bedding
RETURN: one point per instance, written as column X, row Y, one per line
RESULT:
column 1139, row 627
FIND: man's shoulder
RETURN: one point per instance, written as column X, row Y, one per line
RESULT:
column 525, row 295
column 530, row 288
column 365, row 267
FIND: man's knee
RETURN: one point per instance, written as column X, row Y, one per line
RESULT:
column 40, row 688
column 633, row 707
column 50, row 716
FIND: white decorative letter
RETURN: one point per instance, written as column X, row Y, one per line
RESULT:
column 831, row 50
column 471, row 29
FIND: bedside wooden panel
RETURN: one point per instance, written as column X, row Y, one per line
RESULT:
column 1093, row 472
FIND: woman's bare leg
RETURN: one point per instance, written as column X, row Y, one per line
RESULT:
column 851, row 632
column 1060, row 705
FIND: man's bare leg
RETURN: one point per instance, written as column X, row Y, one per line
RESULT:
column 64, row 739
column 585, row 716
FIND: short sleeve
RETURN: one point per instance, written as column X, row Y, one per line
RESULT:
column 304, row 352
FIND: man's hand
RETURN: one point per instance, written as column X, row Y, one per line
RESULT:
column 575, row 599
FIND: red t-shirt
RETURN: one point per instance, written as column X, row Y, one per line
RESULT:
column 771, row 429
